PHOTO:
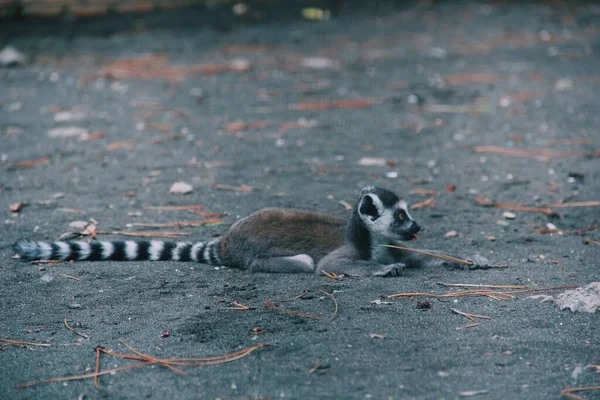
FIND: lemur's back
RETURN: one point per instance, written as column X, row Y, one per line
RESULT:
column 276, row 232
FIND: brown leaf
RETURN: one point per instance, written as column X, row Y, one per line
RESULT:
column 86, row 137
column 335, row 104
column 471, row 78
column 90, row 230
column 376, row 336
column 527, row 95
column 241, row 188
column 161, row 127
column 16, row 207
column 430, row 202
column 125, row 144
column 242, row 126
column 156, row 66
column 424, row 192
column 33, row 163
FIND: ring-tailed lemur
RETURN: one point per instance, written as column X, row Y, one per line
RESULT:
column 278, row 240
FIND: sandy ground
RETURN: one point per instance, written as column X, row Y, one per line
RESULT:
column 290, row 107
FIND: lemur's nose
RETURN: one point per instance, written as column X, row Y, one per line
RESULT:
column 414, row 227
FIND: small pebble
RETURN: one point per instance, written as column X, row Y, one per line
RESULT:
column 451, row 234
column 509, row 215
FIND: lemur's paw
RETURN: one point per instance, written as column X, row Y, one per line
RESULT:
column 479, row 262
column 391, row 270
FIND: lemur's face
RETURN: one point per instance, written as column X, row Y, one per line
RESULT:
column 386, row 214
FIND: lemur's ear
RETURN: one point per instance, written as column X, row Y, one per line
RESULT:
column 370, row 207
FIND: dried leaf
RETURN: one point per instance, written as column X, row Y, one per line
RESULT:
column 161, row 127
column 86, row 137
column 125, row 144
column 471, row 78
column 67, row 132
column 425, row 192
column 181, row 188
column 242, row 126
column 33, row 163
column 335, row 104
column 156, row 66
column 90, row 230
column 586, row 298
column 16, row 207
column 376, row 336
column 430, row 202
column 241, row 188
column 541, row 154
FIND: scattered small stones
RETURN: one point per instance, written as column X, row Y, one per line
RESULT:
column 11, row 57
column 563, row 84
column 181, row 188
column 372, row 162
column 509, row 215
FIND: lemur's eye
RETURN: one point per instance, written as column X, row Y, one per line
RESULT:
column 401, row 215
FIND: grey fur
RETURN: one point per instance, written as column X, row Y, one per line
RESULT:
column 279, row 240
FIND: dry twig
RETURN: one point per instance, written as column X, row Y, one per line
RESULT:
column 178, row 224
column 20, row 343
column 441, row 256
column 239, row 306
column 472, row 317
column 148, row 360
column 506, row 295
column 197, row 207
column 83, row 335
column 147, row 233
column 590, row 241
column 570, row 392
column 269, row 304
column 482, row 286
column 541, row 154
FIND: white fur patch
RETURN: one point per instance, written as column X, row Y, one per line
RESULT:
column 64, row 250
column 213, row 246
column 45, row 250
column 304, row 259
column 403, row 206
column 194, row 251
column 84, row 250
column 176, row 255
column 107, row 250
column 206, row 255
column 131, row 250
column 155, row 250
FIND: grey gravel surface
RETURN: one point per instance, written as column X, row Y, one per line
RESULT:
column 159, row 99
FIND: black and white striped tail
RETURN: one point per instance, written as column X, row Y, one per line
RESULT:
column 153, row 250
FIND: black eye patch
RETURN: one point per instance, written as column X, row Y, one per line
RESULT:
column 367, row 207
